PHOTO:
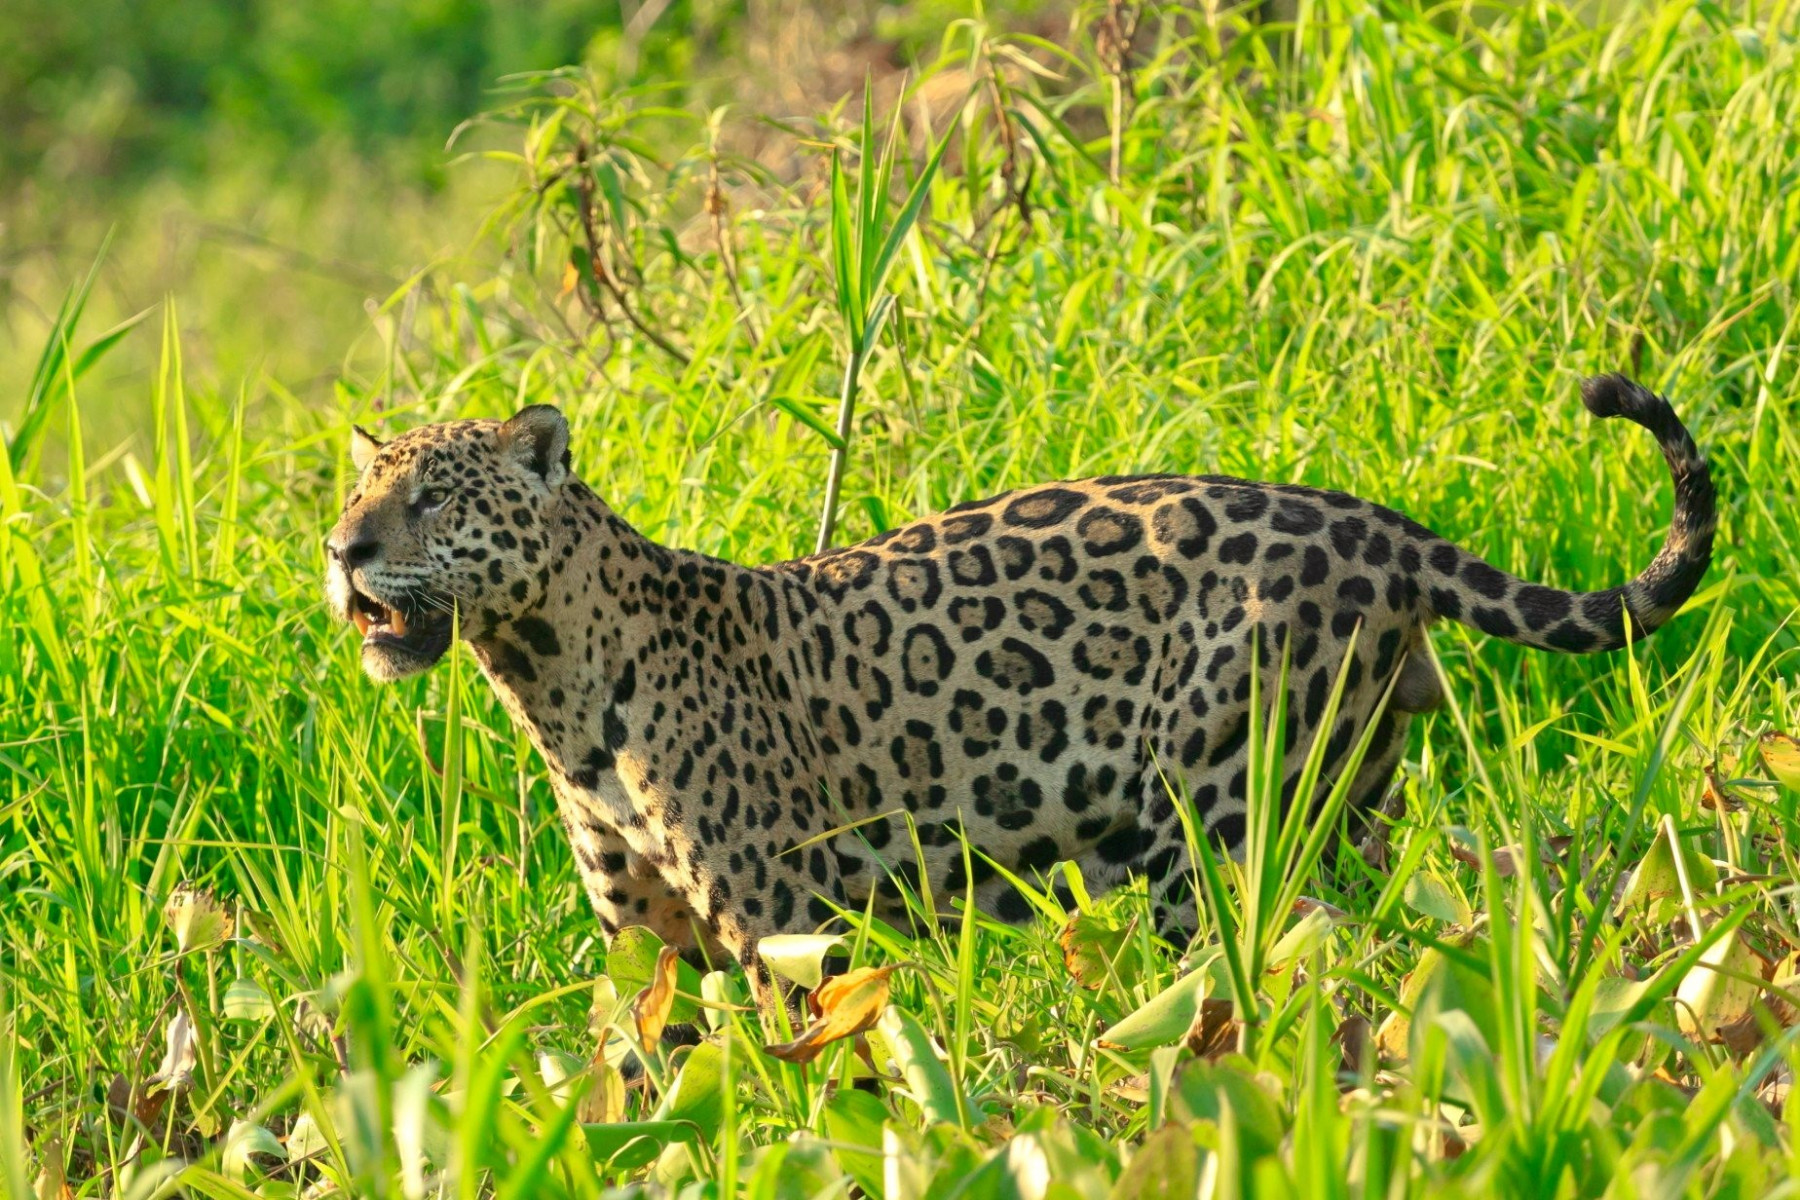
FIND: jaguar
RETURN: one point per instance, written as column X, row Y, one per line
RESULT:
column 1060, row 673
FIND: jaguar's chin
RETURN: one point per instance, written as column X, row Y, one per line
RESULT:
column 389, row 663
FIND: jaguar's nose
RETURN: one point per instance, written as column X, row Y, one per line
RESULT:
column 354, row 547
column 361, row 551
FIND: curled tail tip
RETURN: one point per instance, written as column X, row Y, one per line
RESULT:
column 1614, row 395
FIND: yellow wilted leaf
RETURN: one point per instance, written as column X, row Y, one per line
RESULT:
column 52, row 1183
column 198, row 920
column 1669, row 880
column 651, row 1008
column 571, row 276
column 844, row 1006
column 798, row 956
column 605, row 1099
column 1091, row 949
column 1781, row 754
column 1439, row 982
column 1718, row 994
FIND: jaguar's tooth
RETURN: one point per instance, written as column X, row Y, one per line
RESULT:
column 361, row 619
column 397, row 622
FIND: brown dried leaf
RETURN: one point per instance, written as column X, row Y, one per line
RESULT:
column 1506, row 859
column 1784, row 984
column 844, row 1006
column 1356, row 1036
column 1305, row 906
column 1741, row 1036
column 1214, row 1032
column 1775, row 1090
column 1374, row 851
column 1092, row 949
column 1373, row 848
column 1133, row 1089
column 1714, row 794
column 126, row 1103
column 653, row 1004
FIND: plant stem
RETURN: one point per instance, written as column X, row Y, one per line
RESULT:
column 834, row 478
column 584, row 191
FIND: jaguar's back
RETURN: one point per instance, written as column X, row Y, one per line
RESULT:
column 1043, row 668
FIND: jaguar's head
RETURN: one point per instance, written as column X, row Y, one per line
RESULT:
column 445, row 518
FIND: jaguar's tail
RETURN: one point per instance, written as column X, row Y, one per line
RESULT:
column 1464, row 588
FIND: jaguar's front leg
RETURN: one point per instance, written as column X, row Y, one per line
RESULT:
column 627, row 889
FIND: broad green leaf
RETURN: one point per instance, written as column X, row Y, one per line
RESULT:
column 1430, row 896
column 1096, row 951
column 628, row 1145
column 1614, row 996
column 720, row 993
column 558, row 1070
column 242, row 1140
column 1440, row 982
column 245, row 1000
column 1305, row 936
column 1204, row 1091
column 926, row 1079
column 801, row 1168
column 1165, row 1167
column 855, row 1118
column 697, row 1096
column 1167, row 1015
column 304, row 1139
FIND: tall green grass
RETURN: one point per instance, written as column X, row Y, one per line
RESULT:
column 1371, row 250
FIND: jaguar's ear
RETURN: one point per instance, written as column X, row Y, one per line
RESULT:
column 537, row 439
column 363, row 448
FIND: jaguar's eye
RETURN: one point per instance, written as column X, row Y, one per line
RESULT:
column 430, row 500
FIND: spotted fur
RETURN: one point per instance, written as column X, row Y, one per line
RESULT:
column 1027, row 669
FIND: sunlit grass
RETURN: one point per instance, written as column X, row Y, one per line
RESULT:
column 1374, row 253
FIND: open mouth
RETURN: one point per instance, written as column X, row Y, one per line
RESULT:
column 388, row 631
column 375, row 620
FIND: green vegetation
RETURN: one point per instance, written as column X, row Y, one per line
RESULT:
column 1372, row 251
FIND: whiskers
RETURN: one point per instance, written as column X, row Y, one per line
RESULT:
column 412, row 593
column 420, row 600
